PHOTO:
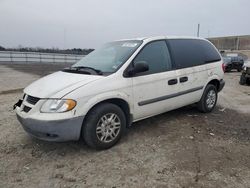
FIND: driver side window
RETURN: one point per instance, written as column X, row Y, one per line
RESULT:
column 157, row 56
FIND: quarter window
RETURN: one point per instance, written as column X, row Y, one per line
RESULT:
column 192, row 52
column 157, row 56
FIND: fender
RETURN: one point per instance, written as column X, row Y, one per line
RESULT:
column 88, row 104
column 213, row 77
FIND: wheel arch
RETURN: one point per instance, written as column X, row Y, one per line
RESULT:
column 215, row 82
column 123, row 104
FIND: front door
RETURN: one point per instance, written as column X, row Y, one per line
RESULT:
column 153, row 89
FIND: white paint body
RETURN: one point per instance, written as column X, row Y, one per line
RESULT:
column 89, row 90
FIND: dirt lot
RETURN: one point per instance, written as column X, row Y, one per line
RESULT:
column 181, row 148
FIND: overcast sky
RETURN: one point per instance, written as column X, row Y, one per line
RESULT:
column 89, row 23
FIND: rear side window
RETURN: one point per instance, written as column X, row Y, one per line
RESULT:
column 192, row 52
column 211, row 54
column 156, row 55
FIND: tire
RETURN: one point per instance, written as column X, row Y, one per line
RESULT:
column 239, row 70
column 211, row 93
column 248, row 81
column 101, row 130
column 243, row 79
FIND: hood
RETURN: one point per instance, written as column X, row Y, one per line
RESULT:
column 58, row 84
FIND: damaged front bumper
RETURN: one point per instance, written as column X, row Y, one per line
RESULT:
column 49, row 127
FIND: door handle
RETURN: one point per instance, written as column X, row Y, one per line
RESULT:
column 183, row 79
column 172, row 82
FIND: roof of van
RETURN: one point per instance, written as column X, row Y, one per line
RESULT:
column 163, row 37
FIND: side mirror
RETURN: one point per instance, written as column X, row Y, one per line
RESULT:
column 140, row 66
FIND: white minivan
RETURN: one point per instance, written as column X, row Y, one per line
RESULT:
column 122, row 82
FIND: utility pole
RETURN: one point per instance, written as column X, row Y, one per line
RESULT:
column 237, row 43
column 198, row 31
column 64, row 38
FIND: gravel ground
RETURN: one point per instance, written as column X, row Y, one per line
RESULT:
column 181, row 148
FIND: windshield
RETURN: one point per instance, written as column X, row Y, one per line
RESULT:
column 110, row 57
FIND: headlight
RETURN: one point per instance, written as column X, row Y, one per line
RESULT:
column 58, row 105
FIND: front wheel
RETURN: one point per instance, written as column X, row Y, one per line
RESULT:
column 104, row 126
column 209, row 99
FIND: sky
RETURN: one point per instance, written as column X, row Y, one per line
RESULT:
column 90, row 23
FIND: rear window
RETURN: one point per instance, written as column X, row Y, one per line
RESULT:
column 192, row 52
column 237, row 58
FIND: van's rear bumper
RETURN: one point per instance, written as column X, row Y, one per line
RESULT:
column 53, row 130
column 222, row 84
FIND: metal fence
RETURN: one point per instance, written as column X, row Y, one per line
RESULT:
column 36, row 57
column 232, row 43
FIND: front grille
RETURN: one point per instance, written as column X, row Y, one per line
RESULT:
column 248, row 71
column 32, row 100
column 26, row 109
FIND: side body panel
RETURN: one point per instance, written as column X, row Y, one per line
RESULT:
column 149, row 91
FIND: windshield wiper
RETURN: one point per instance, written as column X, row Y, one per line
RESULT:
column 73, row 70
column 83, row 70
column 91, row 68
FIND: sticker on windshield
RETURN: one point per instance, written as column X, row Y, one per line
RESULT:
column 129, row 44
column 115, row 67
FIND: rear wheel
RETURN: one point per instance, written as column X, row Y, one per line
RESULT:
column 104, row 126
column 209, row 99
